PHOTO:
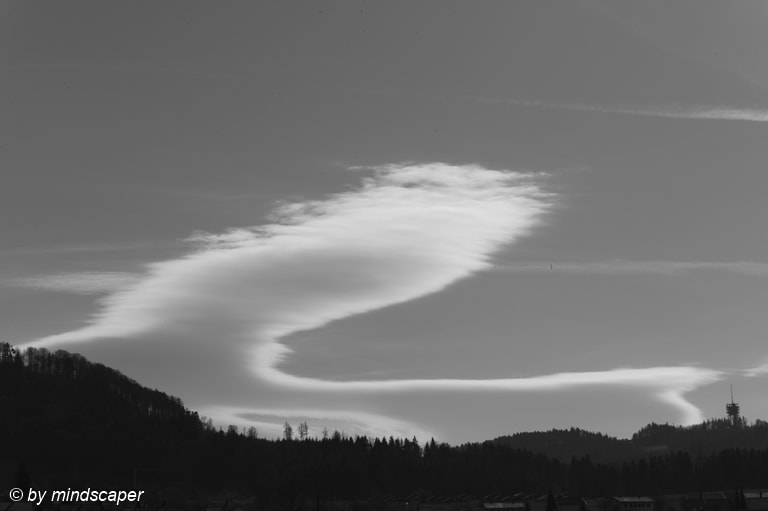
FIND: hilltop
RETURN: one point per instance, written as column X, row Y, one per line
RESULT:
column 709, row 437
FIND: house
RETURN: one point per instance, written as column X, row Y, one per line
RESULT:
column 504, row 503
column 672, row 502
column 594, row 503
column 630, row 504
column 756, row 500
column 445, row 503
column 537, row 504
column 504, row 506
column 706, row 501
column 563, row 501
column 568, row 503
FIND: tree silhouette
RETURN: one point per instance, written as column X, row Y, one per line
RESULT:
column 303, row 430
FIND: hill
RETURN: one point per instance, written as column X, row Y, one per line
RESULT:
column 68, row 422
column 76, row 422
column 703, row 439
column 563, row 444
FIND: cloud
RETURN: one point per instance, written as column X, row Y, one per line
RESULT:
column 760, row 370
column 668, row 384
column 695, row 112
column 271, row 421
column 86, row 248
column 702, row 112
column 638, row 267
column 407, row 231
column 85, row 283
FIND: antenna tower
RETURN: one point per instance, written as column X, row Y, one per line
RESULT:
column 732, row 409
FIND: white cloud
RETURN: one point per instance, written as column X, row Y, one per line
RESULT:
column 639, row 267
column 408, row 231
column 706, row 112
column 696, row 112
column 85, row 283
column 668, row 384
column 760, row 370
column 86, row 248
column 271, row 421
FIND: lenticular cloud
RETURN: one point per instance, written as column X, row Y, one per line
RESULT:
column 406, row 231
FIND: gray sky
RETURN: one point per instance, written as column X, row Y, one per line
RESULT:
column 432, row 218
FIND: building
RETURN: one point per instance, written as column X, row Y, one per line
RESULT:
column 706, row 501
column 756, row 500
column 630, row 504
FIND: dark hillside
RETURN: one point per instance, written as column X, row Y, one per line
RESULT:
column 73, row 423
column 564, row 444
column 79, row 421
column 707, row 438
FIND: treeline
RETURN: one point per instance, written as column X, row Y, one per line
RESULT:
column 709, row 437
column 84, row 383
column 72, row 423
column 71, row 420
column 563, row 444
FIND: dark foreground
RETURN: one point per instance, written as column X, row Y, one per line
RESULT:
column 68, row 423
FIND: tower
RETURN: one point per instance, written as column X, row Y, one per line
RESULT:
column 732, row 409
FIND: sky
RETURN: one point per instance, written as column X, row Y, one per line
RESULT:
column 441, row 219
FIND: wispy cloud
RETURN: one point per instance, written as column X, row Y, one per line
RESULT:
column 702, row 112
column 408, row 231
column 85, row 283
column 619, row 267
column 271, row 421
column 757, row 113
column 86, row 248
column 759, row 370
column 668, row 384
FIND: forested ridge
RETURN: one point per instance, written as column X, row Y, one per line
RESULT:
column 67, row 422
column 709, row 437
